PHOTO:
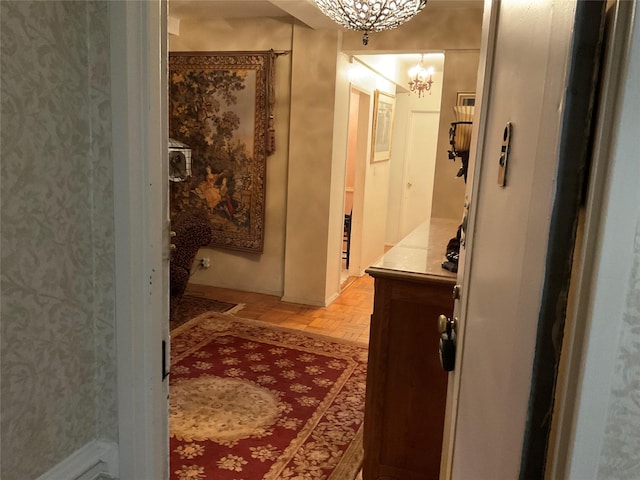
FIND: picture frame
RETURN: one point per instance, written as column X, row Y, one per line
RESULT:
column 383, row 116
column 466, row 99
column 219, row 108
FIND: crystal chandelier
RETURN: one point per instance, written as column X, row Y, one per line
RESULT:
column 370, row 15
column 420, row 78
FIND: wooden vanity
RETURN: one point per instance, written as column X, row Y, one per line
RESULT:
column 406, row 385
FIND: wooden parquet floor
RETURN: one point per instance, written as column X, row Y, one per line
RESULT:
column 348, row 317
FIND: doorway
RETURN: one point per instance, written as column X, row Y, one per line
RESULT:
column 357, row 139
column 141, row 459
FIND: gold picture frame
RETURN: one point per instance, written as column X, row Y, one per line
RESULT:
column 466, row 99
column 383, row 112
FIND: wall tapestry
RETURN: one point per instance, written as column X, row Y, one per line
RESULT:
column 219, row 106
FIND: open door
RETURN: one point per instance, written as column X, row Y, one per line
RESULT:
column 139, row 109
column 531, row 143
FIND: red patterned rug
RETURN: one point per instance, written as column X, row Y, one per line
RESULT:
column 249, row 401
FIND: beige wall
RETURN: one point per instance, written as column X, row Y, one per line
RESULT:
column 300, row 175
column 305, row 177
column 245, row 271
column 310, row 165
column 338, row 178
column 460, row 73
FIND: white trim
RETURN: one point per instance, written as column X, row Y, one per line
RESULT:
column 559, row 461
column 138, row 50
column 606, row 286
column 96, row 460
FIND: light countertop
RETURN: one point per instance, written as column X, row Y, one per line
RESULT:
column 422, row 252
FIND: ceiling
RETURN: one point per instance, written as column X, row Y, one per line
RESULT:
column 223, row 9
column 306, row 12
column 303, row 10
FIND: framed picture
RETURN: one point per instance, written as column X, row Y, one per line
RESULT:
column 218, row 107
column 466, row 99
column 383, row 110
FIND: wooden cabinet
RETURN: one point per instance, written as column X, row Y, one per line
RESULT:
column 406, row 385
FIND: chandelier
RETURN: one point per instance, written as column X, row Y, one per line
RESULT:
column 420, row 78
column 370, row 15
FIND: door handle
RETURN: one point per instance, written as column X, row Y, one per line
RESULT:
column 447, row 348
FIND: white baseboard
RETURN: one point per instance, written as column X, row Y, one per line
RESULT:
column 97, row 460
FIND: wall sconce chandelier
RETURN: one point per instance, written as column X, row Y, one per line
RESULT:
column 370, row 15
column 460, row 137
column 420, row 78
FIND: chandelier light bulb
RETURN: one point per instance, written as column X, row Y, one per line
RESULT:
column 420, row 78
column 370, row 15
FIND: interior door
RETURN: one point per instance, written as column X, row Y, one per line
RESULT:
column 422, row 142
column 536, row 91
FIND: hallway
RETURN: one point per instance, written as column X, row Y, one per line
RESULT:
column 348, row 317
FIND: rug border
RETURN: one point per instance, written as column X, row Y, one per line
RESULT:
column 348, row 469
column 260, row 323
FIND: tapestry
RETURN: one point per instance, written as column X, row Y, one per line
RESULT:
column 249, row 401
column 219, row 108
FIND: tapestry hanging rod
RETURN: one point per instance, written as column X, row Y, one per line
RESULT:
column 279, row 53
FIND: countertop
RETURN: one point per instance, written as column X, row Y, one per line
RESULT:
column 419, row 254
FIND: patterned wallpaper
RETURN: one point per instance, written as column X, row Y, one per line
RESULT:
column 619, row 457
column 57, row 357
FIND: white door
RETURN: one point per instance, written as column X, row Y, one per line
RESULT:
column 420, row 164
column 527, row 48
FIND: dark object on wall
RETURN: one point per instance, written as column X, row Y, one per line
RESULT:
column 192, row 232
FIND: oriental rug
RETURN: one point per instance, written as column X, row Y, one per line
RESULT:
column 191, row 306
column 251, row 401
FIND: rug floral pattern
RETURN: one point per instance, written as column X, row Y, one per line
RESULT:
column 252, row 402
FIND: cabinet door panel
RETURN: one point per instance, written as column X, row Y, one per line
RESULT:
column 406, row 386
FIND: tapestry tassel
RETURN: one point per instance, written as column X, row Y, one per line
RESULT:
column 271, row 137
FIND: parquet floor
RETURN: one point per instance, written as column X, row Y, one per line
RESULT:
column 348, row 317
